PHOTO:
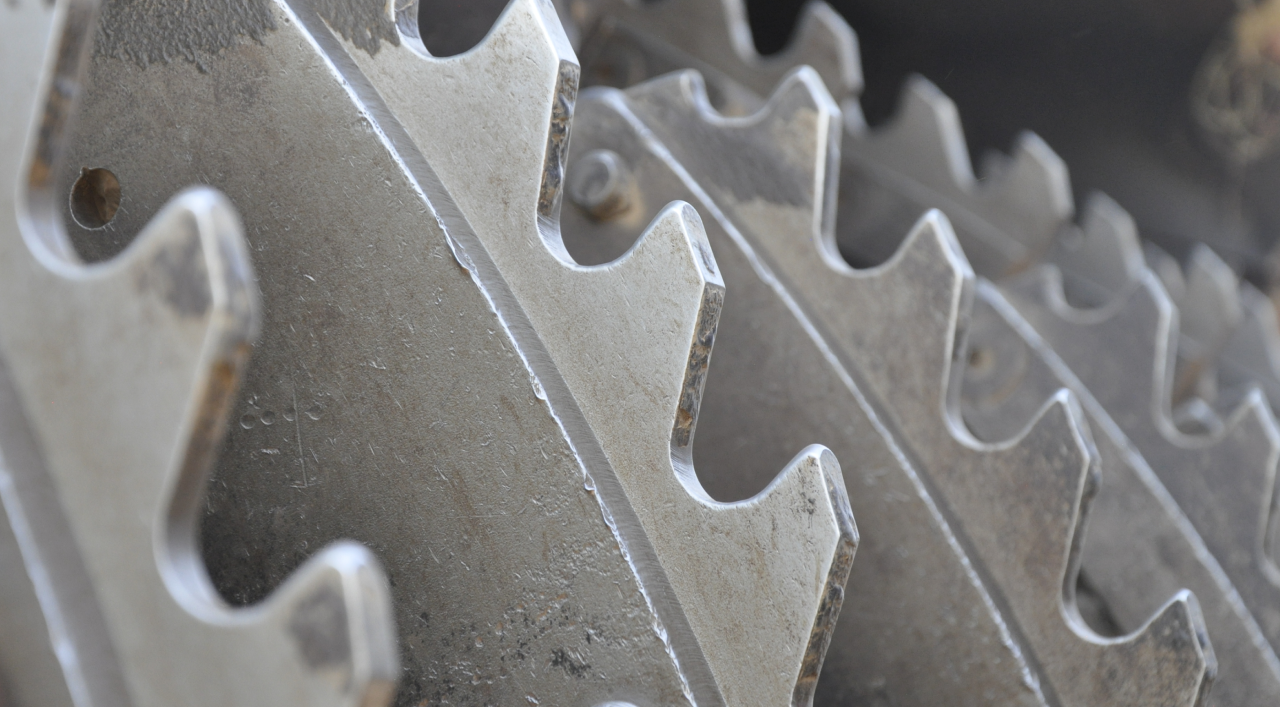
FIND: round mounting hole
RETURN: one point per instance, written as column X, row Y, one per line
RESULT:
column 981, row 360
column 95, row 197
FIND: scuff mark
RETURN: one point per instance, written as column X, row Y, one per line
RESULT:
column 179, row 275
column 319, row 626
column 572, row 666
column 364, row 23
column 148, row 32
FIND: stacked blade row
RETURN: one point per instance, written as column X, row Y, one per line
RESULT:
column 336, row 372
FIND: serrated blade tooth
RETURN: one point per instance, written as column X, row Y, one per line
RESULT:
column 889, row 619
column 920, row 158
column 923, row 141
column 825, row 42
column 130, row 461
column 716, row 38
column 1101, row 257
column 1004, row 221
column 921, row 261
column 1033, row 194
column 1252, row 354
column 1167, row 269
column 1180, row 614
column 673, row 105
column 1210, row 308
column 1066, row 484
column 1140, row 547
column 1029, row 190
column 630, row 42
column 1144, row 307
column 1124, row 353
column 582, row 316
column 897, row 328
column 393, row 398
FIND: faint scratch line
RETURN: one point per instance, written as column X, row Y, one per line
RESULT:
column 297, row 426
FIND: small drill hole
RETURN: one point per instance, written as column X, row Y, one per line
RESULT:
column 95, row 197
column 981, row 359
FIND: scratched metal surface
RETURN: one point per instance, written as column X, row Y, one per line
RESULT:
column 912, row 604
column 900, row 328
column 1140, row 548
column 621, row 351
column 384, row 401
column 107, row 444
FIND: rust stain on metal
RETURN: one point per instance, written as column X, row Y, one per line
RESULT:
column 148, row 32
column 832, row 597
column 207, row 432
column 695, row 376
column 62, row 94
column 566, row 95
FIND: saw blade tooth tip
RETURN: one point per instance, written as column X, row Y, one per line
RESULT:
column 344, row 584
column 933, row 233
column 1252, row 419
column 1062, row 418
column 929, row 118
column 1182, row 616
column 227, row 257
column 804, row 86
column 920, row 95
column 695, row 234
column 1110, row 228
column 1038, row 170
column 685, row 88
column 1253, row 351
column 1210, row 307
column 1104, row 252
column 823, row 38
column 553, row 25
column 1167, row 269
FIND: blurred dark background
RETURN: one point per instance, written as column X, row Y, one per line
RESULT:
column 1107, row 83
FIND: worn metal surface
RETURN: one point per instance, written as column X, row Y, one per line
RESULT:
column 1140, row 547
column 1124, row 353
column 913, row 607
column 1100, row 256
column 506, row 415
column 652, row 315
column 1229, row 331
column 890, row 175
column 627, row 41
column 116, row 437
column 896, row 329
column 1101, row 253
column 1006, row 218
column 430, row 376
column 385, row 401
column 1252, row 354
column 1205, row 293
column 1100, row 269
